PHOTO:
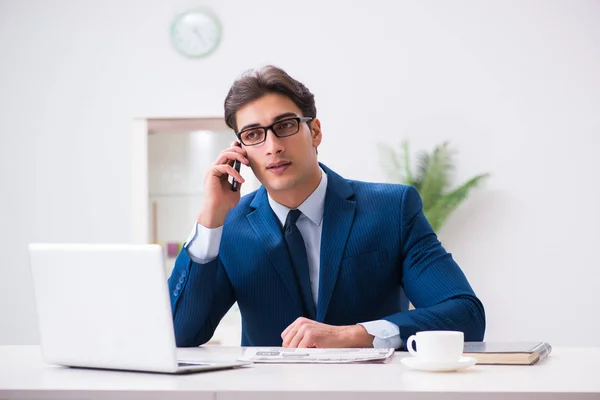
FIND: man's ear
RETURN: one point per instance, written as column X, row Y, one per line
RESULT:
column 315, row 132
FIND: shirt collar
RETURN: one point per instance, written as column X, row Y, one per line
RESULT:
column 312, row 207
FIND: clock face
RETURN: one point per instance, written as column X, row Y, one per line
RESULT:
column 196, row 33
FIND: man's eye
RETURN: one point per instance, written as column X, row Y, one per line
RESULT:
column 286, row 125
column 251, row 135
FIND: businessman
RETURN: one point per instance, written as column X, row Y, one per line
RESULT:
column 313, row 259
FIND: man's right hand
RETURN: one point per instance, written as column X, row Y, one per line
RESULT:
column 218, row 196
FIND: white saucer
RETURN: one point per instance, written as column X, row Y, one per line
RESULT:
column 415, row 363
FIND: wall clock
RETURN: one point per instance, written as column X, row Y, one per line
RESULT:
column 196, row 33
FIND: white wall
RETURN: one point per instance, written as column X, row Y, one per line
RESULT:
column 513, row 84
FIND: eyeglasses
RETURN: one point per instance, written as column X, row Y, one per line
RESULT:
column 285, row 127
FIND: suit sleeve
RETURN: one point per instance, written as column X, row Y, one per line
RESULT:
column 433, row 281
column 200, row 295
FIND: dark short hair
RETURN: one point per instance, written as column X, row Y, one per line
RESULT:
column 253, row 84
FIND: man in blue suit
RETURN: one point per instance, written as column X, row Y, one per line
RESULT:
column 313, row 259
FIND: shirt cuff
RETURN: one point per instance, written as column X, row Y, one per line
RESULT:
column 386, row 334
column 203, row 243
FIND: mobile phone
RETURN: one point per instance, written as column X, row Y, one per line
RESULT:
column 236, row 164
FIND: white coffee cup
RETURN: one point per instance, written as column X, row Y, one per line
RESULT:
column 437, row 346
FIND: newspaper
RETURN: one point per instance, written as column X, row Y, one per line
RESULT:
column 280, row 355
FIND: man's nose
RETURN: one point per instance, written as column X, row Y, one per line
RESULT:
column 273, row 144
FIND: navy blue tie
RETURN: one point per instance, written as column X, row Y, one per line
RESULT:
column 297, row 249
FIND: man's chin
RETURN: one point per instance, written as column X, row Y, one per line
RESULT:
column 279, row 185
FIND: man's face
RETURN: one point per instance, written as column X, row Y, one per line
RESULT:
column 281, row 164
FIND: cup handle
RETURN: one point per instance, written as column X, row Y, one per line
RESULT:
column 409, row 345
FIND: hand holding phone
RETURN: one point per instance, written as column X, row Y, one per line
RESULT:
column 222, row 186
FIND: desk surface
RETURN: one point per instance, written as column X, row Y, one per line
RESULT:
column 566, row 373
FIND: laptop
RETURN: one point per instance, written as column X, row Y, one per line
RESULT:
column 107, row 306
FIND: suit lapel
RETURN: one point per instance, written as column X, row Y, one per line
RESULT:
column 265, row 224
column 338, row 216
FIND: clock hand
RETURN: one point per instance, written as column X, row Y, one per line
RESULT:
column 200, row 36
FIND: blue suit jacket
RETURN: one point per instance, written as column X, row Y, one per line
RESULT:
column 377, row 249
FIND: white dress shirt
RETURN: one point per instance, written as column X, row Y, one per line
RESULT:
column 203, row 246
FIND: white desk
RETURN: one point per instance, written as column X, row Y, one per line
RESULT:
column 567, row 373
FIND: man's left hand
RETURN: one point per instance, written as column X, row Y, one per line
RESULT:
column 304, row 332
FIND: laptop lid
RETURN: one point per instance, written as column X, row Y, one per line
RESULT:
column 103, row 306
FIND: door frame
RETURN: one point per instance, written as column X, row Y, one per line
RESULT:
column 141, row 128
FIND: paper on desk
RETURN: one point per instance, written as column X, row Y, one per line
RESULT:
column 316, row 356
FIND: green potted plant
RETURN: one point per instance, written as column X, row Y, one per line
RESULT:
column 432, row 179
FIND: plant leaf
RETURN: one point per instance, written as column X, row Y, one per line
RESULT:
column 439, row 212
column 432, row 179
column 422, row 167
column 391, row 164
column 437, row 176
column 406, row 158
